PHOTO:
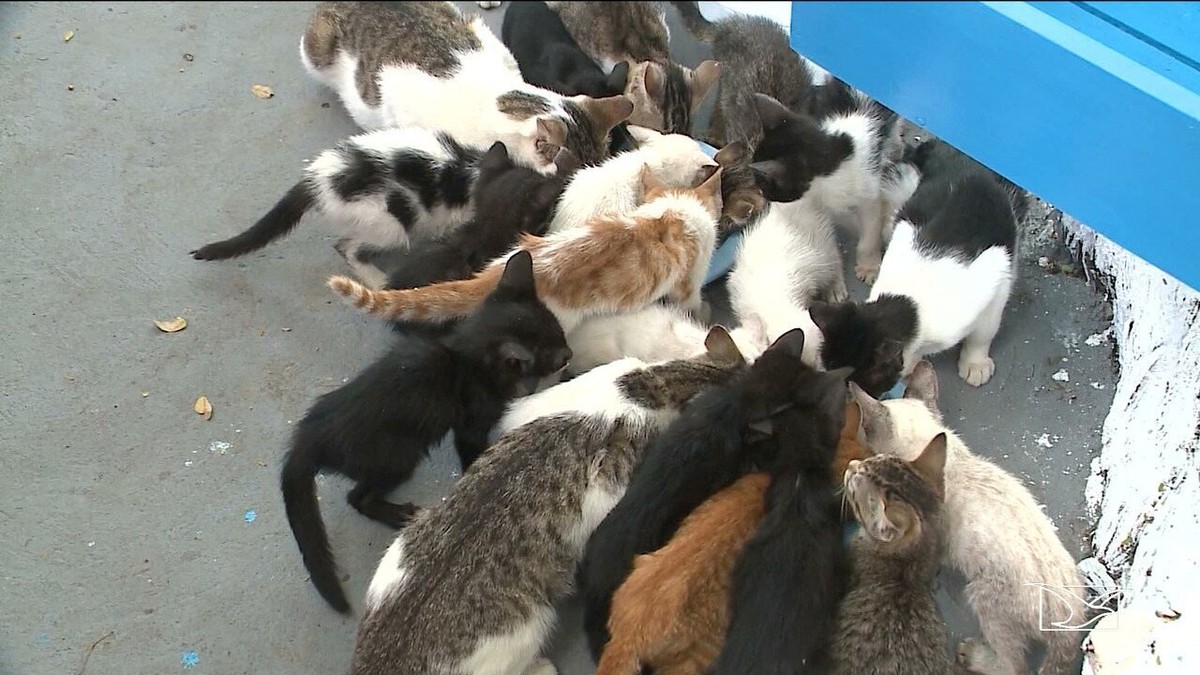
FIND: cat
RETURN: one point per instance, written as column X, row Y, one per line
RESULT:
column 549, row 57
column 995, row 534
column 469, row 586
column 944, row 281
column 665, row 95
column 791, row 575
column 785, row 261
column 661, row 250
column 508, row 199
column 378, row 427
column 756, row 57
column 382, row 189
column 714, row 442
column 425, row 64
column 894, row 558
column 847, row 160
column 672, row 612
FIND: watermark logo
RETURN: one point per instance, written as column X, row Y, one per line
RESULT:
column 1076, row 608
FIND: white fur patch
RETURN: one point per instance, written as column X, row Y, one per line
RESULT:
column 593, row 393
column 389, row 576
column 512, row 652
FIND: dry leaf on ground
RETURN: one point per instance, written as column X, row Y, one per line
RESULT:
column 262, row 91
column 171, row 325
column 68, row 35
column 203, row 407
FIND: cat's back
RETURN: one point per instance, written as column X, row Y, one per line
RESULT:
column 594, row 392
column 761, row 59
column 656, row 333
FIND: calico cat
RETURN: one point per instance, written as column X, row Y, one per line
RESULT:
column 894, row 559
column 846, row 160
column 756, row 57
column 381, row 189
column 944, row 281
column 549, row 57
column 672, row 612
column 377, row 428
column 995, row 534
column 509, row 199
column 785, row 261
column 791, row 575
column 665, row 94
column 660, row 251
column 469, row 586
column 425, row 64
column 725, row 433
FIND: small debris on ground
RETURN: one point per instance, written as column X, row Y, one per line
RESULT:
column 203, row 408
column 68, row 35
column 189, row 659
column 1061, row 376
column 171, row 325
column 262, row 91
column 250, row 516
column 70, row 87
column 189, row 58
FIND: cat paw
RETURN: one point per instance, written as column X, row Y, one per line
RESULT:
column 974, row 656
column 976, row 372
column 867, row 271
column 488, row 5
column 837, row 292
column 541, row 666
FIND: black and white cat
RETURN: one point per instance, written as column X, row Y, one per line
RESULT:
column 378, row 427
column 425, row 64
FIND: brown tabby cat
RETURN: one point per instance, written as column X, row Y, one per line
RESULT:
column 610, row 264
column 887, row 622
column 672, row 612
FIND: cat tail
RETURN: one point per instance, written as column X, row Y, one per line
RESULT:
column 620, row 658
column 297, row 481
column 700, row 28
column 280, row 220
column 436, row 302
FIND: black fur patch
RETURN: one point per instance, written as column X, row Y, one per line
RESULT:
column 869, row 337
column 418, row 172
column 794, row 152
column 547, row 55
column 401, row 208
column 365, row 173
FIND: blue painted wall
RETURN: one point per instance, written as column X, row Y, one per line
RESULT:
column 1095, row 107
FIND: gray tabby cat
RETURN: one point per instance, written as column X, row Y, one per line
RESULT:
column 469, row 586
column 995, row 534
column 756, row 57
column 894, row 558
column 664, row 94
column 425, row 64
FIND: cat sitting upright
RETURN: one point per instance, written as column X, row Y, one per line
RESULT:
column 378, row 427
column 425, row 64
column 945, row 279
column 659, row 251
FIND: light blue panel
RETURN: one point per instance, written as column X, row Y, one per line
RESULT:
column 1041, row 97
column 1174, row 25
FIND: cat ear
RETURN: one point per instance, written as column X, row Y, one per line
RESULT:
column 763, row 428
column 567, row 162
column 643, row 135
column 824, row 315
column 703, row 78
column 931, row 463
column 651, row 185
column 516, row 357
column 709, row 192
column 607, row 112
column 873, row 414
column 791, row 342
column 518, row 275
column 833, row 402
column 495, row 157
column 853, row 424
column 731, row 154
column 922, row 384
column 549, row 135
column 721, row 347
column 655, row 76
column 771, row 112
column 618, row 77
column 769, row 173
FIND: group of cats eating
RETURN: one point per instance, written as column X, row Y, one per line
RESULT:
column 536, row 221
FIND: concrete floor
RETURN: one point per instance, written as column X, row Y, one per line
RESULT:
column 138, row 535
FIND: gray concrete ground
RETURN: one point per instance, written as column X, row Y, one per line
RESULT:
column 140, row 538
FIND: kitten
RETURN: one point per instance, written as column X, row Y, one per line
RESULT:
column 708, row 448
column 894, row 559
column 509, row 199
column 944, row 281
column 425, row 64
column 785, row 261
column 995, row 534
column 614, row 264
column 549, row 57
column 791, row 575
column 381, row 189
column 743, row 201
column 379, row 426
column 672, row 612
column 847, row 163
column 469, row 586
column 756, row 56
column 665, row 95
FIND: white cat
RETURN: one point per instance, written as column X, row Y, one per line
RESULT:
column 425, row 64
column 615, row 188
column 996, row 535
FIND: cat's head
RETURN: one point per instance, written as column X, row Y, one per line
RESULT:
column 782, row 396
column 590, row 121
column 675, row 159
column 665, row 95
column 794, row 151
column 502, row 184
column 708, row 192
column 869, row 337
column 512, row 334
column 896, row 500
column 902, row 426
column 742, row 198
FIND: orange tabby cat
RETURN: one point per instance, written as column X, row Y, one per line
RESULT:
column 610, row 264
column 672, row 612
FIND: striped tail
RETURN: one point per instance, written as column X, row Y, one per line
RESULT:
column 437, row 302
